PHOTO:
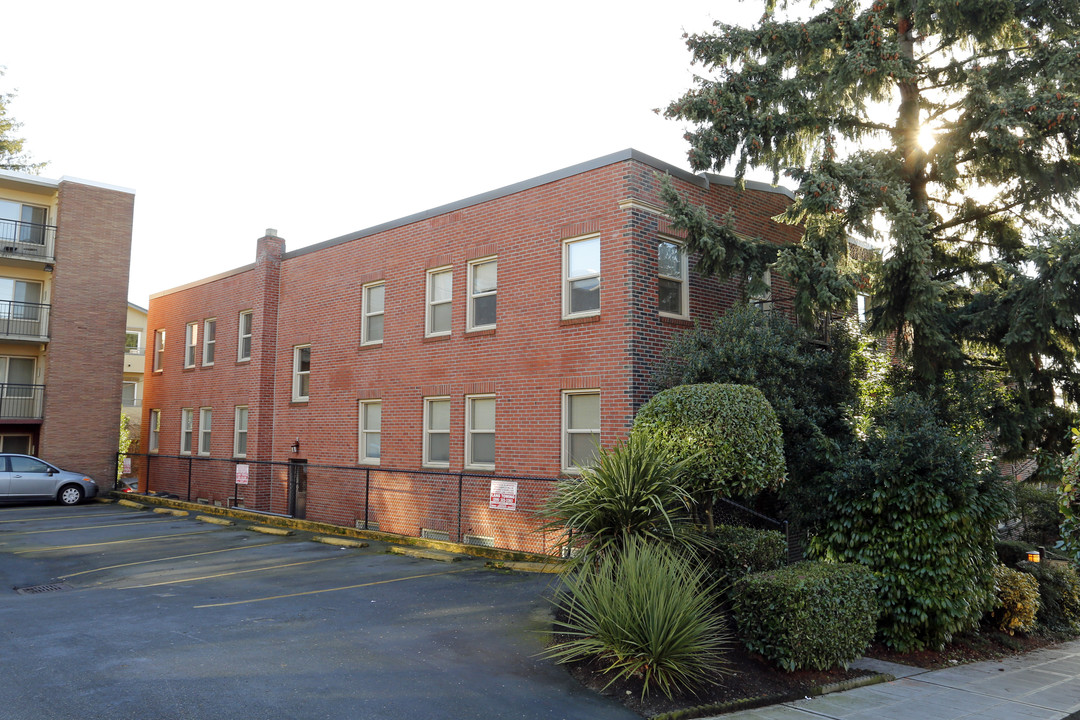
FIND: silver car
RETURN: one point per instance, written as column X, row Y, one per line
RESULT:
column 23, row 477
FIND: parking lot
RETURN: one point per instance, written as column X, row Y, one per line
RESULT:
column 114, row 612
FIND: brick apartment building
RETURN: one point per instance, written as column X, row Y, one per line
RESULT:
column 504, row 334
column 64, row 253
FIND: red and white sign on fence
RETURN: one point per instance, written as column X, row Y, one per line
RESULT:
column 242, row 474
column 504, row 495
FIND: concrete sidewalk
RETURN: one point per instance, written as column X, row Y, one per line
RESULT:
column 1042, row 685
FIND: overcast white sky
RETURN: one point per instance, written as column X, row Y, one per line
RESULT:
column 321, row 118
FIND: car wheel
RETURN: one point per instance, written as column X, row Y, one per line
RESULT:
column 70, row 495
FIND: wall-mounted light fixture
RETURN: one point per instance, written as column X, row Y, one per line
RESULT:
column 48, row 267
column 295, row 447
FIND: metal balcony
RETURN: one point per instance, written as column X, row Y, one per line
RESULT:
column 26, row 240
column 24, row 321
column 22, row 402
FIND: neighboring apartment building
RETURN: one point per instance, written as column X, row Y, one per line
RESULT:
column 64, row 251
column 134, row 365
column 506, row 333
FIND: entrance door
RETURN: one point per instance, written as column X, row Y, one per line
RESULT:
column 298, row 489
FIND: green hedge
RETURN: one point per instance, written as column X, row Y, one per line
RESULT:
column 808, row 615
column 1012, row 552
column 1059, row 595
column 742, row 550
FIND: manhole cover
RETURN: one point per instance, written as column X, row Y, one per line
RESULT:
column 38, row 589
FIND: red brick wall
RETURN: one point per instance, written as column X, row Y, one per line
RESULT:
column 87, row 325
column 527, row 361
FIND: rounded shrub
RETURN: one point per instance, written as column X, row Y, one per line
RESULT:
column 1059, row 595
column 727, row 434
column 809, row 615
column 1012, row 552
column 1017, row 600
column 740, row 551
column 648, row 612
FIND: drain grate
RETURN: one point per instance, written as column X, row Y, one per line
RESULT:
column 38, row 589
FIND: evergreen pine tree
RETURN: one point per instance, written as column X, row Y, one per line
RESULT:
column 945, row 129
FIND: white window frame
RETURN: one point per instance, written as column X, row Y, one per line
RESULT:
column 764, row 302
column 428, row 432
column 470, row 431
column 206, row 424
column 366, row 314
column 567, row 431
column 138, row 349
column 209, row 341
column 241, row 336
column 567, row 281
column 191, row 344
column 470, row 313
column 187, row 426
column 159, row 350
column 298, row 375
column 240, row 411
column 365, row 431
column 134, row 392
column 430, row 303
column 862, row 304
column 154, row 438
column 684, row 281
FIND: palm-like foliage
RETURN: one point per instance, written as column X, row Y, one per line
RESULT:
column 647, row 612
column 633, row 490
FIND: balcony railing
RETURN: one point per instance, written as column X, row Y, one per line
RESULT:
column 134, row 351
column 24, row 320
column 22, row 402
column 27, row 240
column 131, row 402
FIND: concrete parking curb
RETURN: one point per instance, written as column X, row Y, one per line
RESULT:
column 427, row 554
column 549, row 568
column 339, row 541
column 213, row 520
column 266, row 530
column 132, row 504
column 170, row 511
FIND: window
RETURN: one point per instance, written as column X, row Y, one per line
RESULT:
column 243, row 343
column 301, row 372
column 20, row 307
column 581, row 429
column 22, row 223
column 860, row 307
column 17, row 391
column 155, row 430
column 191, row 341
column 671, row 279
column 440, row 292
column 209, row 341
column 581, row 286
column 480, row 432
column 240, row 431
column 15, row 443
column 159, row 350
column 129, row 395
column 763, row 300
column 133, row 342
column 483, row 286
column 437, row 431
column 186, row 421
column 371, row 331
column 204, row 430
column 370, row 431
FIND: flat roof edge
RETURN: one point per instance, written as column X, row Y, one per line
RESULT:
column 94, row 183
column 751, row 185
column 203, row 281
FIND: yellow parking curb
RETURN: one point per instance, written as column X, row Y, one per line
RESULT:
column 339, row 541
column 267, row 530
column 170, row 511
column 213, row 520
column 132, row 504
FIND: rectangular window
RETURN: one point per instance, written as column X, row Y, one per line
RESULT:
column 204, row 430
column 243, row 344
column 133, row 342
column 370, row 431
column 437, row 431
column 480, row 432
column 129, row 394
column 371, row 331
column 209, row 341
column 22, row 223
column 581, row 276
column 483, row 289
column 581, row 429
column 187, row 422
column 159, row 350
column 860, row 307
column 440, row 292
column 155, row 430
column 240, row 431
column 671, row 279
column 301, row 372
column 191, row 341
column 762, row 299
